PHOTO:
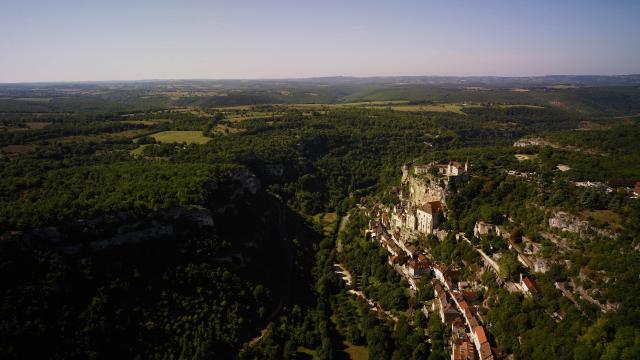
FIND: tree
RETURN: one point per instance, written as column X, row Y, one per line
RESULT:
column 509, row 265
column 378, row 342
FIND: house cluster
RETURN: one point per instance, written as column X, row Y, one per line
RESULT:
column 527, row 253
column 395, row 229
column 453, row 170
column 453, row 305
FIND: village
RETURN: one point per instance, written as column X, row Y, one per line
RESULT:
column 419, row 213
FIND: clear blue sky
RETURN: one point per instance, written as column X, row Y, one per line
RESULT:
column 68, row 40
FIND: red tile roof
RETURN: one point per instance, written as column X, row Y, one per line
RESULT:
column 530, row 284
column 485, row 351
column 480, row 334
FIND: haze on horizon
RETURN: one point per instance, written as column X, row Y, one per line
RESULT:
column 131, row 40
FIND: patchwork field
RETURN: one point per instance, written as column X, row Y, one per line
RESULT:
column 190, row 137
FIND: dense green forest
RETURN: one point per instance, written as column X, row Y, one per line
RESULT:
column 118, row 243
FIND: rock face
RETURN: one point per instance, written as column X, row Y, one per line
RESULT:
column 248, row 181
column 122, row 228
column 568, row 222
column 424, row 190
column 572, row 223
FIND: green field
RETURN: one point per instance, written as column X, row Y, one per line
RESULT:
column 191, row 137
column 356, row 352
column 327, row 221
column 138, row 151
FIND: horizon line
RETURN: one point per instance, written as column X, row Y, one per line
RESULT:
column 308, row 78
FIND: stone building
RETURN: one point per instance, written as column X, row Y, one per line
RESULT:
column 428, row 216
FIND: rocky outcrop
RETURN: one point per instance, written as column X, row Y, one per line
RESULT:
column 568, row 222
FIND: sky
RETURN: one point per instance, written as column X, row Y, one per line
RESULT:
column 87, row 40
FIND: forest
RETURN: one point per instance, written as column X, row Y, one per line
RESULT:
column 116, row 245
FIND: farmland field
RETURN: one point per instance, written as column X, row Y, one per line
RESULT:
column 191, row 137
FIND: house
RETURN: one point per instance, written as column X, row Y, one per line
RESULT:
column 458, row 329
column 541, row 265
column 470, row 295
column 529, row 286
column 417, row 268
column 530, row 248
column 411, row 221
column 421, row 169
column 455, row 168
column 482, row 343
column 445, row 276
column 439, row 270
column 461, row 346
column 392, row 260
column 463, row 350
column 466, row 310
column 428, row 216
column 448, row 312
column 485, row 352
column 622, row 183
column 410, row 250
column 385, row 219
column 387, row 243
column 482, row 228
